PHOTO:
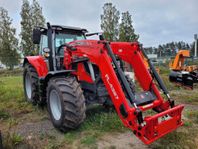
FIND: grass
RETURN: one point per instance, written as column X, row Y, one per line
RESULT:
column 12, row 97
column 11, row 139
column 104, row 121
column 13, row 107
column 4, row 73
column 10, row 87
column 164, row 70
column 88, row 140
column 177, row 140
column 98, row 123
column 4, row 115
column 185, row 96
column 192, row 115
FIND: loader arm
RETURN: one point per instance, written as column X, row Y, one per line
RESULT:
column 128, row 105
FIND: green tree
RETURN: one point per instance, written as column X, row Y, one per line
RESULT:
column 8, row 41
column 26, row 29
column 110, row 22
column 37, row 20
column 126, row 30
column 31, row 17
column 37, row 16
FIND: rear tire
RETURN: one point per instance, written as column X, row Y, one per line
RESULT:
column 66, row 103
column 30, row 83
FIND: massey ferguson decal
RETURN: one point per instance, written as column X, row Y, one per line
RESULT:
column 111, row 86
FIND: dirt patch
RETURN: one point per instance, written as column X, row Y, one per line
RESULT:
column 40, row 134
column 41, row 127
column 125, row 140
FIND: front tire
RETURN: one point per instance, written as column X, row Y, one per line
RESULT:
column 30, row 83
column 66, row 103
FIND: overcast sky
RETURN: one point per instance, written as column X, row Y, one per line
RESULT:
column 156, row 21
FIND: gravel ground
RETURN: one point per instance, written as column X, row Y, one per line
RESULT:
column 125, row 140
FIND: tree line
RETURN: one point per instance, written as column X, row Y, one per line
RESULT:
column 170, row 49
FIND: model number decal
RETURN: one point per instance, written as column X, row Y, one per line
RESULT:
column 111, row 86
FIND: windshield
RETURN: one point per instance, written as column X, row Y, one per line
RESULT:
column 62, row 38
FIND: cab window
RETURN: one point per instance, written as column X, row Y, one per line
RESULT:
column 43, row 44
column 62, row 38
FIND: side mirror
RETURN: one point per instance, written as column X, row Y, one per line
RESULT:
column 101, row 37
column 36, row 36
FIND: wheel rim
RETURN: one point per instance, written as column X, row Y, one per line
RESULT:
column 28, row 86
column 55, row 104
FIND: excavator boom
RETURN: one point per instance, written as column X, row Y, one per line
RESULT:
column 178, row 62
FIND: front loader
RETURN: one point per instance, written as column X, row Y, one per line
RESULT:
column 72, row 72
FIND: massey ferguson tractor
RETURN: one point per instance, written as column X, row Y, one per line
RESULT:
column 72, row 72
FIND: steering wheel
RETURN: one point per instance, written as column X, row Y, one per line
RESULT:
column 67, row 46
column 59, row 49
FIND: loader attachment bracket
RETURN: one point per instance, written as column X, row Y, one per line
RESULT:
column 160, row 124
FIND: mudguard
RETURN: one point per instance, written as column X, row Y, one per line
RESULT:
column 38, row 63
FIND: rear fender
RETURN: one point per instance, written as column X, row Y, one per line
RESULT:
column 38, row 63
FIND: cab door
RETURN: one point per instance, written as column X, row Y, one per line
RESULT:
column 43, row 49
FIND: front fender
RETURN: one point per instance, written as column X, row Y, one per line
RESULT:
column 38, row 63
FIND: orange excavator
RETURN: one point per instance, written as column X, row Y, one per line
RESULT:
column 183, row 74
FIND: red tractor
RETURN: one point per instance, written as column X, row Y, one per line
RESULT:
column 72, row 72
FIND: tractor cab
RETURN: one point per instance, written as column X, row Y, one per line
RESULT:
column 51, row 39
